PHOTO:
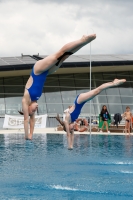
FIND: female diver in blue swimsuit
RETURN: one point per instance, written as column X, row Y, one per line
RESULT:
column 35, row 83
column 74, row 110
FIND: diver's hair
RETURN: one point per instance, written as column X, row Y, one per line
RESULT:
column 64, row 128
column 37, row 111
column 103, row 111
column 20, row 112
column 61, row 122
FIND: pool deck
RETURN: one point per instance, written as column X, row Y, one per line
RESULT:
column 54, row 131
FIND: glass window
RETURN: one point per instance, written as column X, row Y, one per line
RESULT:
column 109, row 77
column 114, row 99
column 113, row 109
column 127, row 100
column 66, row 82
column 102, row 99
column 124, row 75
column 18, row 90
column 54, row 96
column 97, row 108
column 65, row 106
column 126, row 91
column 16, row 80
column 113, row 95
column 13, row 104
column 54, row 108
column 67, row 85
column 2, row 105
column 98, row 79
column 82, row 82
column 60, row 91
column 131, row 78
column 51, row 95
column 98, row 102
column 52, row 90
column 68, row 96
column 42, row 109
column 41, row 99
column 13, row 85
column 25, row 79
column 1, row 86
column 112, row 91
column 86, row 109
column 51, row 83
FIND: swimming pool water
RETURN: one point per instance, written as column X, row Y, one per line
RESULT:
column 99, row 167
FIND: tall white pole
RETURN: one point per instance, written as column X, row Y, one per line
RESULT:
column 90, row 87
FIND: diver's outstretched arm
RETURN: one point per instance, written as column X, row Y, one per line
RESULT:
column 26, row 117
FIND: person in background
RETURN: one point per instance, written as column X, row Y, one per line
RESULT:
column 104, row 115
column 128, row 116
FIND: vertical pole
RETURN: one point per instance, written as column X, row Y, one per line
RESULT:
column 90, row 87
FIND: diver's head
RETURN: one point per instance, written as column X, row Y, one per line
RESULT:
column 71, row 127
column 32, row 107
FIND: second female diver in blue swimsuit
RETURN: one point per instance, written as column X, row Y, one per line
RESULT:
column 35, row 83
column 74, row 110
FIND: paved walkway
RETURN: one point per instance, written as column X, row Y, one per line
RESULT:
column 53, row 131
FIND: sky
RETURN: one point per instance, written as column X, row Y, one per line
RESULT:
column 39, row 26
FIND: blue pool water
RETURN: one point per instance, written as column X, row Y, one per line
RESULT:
column 99, row 167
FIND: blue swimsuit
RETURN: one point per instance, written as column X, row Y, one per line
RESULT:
column 77, row 110
column 35, row 91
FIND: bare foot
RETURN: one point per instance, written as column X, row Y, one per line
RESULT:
column 88, row 38
column 30, row 137
column 70, row 148
column 128, row 136
column 118, row 81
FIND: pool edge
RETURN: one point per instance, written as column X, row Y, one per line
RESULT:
column 54, row 131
